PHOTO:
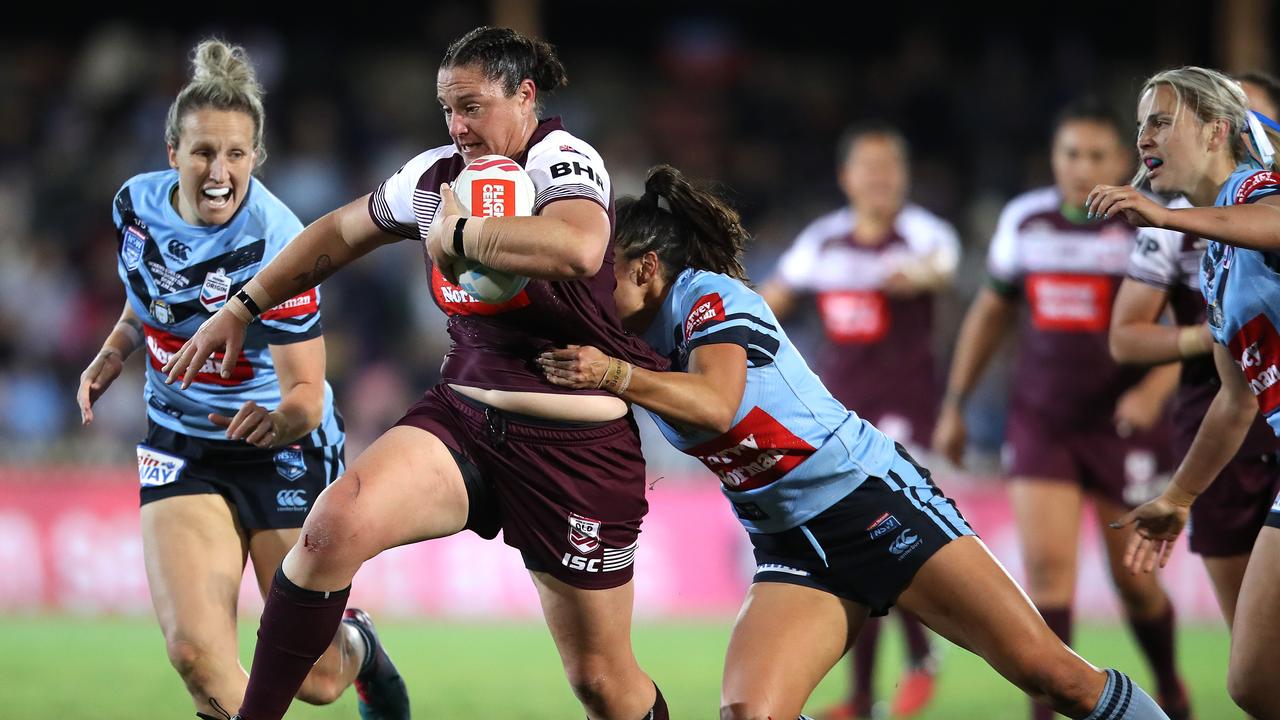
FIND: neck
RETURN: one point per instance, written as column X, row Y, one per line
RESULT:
column 185, row 211
column 870, row 228
column 655, row 295
column 1205, row 191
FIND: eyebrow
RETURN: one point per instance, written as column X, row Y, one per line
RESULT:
column 1150, row 117
column 462, row 99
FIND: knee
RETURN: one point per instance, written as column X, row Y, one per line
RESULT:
column 321, row 687
column 745, row 710
column 1051, row 577
column 334, row 530
column 194, row 662
column 597, row 684
column 1141, row 596
column 1250, row 692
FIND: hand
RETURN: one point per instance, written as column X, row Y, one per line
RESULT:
column 950, row 434
column 1158, row 524
column 224, row 331
column 580, row 367
column 440, row 235
column 1139, row 210
column 900, row 284
column 253, row 423
column 95, row 380
column 1135, row 411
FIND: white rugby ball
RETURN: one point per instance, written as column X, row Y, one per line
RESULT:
column 492, row 186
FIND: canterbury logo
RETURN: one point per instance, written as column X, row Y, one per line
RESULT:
column 904, row 542
column 291, row 498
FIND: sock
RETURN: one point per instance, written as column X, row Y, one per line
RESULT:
column 297, row 626
column 1155, row 637
column 659, row 709
column 862, row 693
column 1059, row 621
column 1123, row 700
column 918, row 647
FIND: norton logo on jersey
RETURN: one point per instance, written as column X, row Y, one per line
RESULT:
column 584, row 533
column 156, row 468
column 904, row 543
column 453, row 300
column 1257, row 350
column 707, row 310
column 753, row 453
column 162, row 345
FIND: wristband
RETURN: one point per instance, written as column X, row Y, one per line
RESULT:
column 1189, row 342
column 249, row 303
column 458, row 248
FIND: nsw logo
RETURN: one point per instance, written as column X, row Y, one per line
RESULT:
column 291, row 500
column 289, row 463
column 133, row 243
column 156, row 468
column 883, row 526
column 904, row 543
column 584, row 533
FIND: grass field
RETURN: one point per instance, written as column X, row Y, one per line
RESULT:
column 54, row 668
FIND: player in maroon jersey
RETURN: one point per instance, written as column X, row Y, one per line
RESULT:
column 495, row 446
column 1165, row 270
column 873, row 269
column 1079, row 425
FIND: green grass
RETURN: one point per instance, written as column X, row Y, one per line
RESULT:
column 55, row 668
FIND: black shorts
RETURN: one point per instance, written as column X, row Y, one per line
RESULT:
column 269, row 489
column 869, row 545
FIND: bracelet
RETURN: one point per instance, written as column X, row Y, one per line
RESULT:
column 617, row 376
column 458, row 248
column 249, row 303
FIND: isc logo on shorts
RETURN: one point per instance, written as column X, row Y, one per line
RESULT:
column 156, row 468
column 614, row 559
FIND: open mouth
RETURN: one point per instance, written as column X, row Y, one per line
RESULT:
column 216, row 197
column 1152, row 162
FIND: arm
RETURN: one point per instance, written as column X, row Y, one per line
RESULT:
column 300, row 369
column 706, row 397
column 1140, row 407
column 316, row 253
column 780, row 297
column 1224, row 428
column 1137, row 338
column 566, row 241
column 123, row 339
column 984, row 327
column 1253, row 225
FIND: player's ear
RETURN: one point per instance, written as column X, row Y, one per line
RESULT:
column 650, row 267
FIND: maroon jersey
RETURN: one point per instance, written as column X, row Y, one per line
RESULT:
column 878, row 357
column 1068, row 274
column 494, row 344
column 1170, row 261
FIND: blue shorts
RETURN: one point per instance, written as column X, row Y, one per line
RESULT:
column 268, row 488
column 868, row 546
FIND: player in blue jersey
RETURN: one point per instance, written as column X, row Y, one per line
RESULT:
column 1198, row 138
column 844, row 523
column 228, row 469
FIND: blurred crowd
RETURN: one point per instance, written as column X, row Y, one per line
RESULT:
column 740, row 99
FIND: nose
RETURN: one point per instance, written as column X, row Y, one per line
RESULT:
column 218, row 169
column 1146, row 139
column 457, row 125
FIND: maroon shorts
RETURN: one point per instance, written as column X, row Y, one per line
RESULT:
column 1126, row 470
column 569, row 496
column 1226, row 519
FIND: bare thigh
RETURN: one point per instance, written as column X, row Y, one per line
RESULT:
column 1255, row 637
column 195, row 554
column 1048, row 516
column 404, row 488
column 786, row 638
column 1141, row 594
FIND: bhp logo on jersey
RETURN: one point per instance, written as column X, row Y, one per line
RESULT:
column 1257, row 351
column 584, row 533
column 753, row 453
column 707, row 310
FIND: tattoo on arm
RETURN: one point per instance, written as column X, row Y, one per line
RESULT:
column 323, row 269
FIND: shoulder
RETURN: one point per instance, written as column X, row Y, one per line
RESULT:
column 916, row 222
column 560, row 143
column 142, row 193
column 445, row 156
column 271, row 213
column 1249, row 183
column 1030, row 204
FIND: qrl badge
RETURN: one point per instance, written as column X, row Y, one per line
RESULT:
column 584, row 533
column 289, row 463
column 216, row 290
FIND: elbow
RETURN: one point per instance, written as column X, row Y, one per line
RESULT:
column 584, row 264
column 1119, row 348
column 720, row 420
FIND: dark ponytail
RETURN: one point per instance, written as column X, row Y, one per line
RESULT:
column 506, row 56
column 699, row 231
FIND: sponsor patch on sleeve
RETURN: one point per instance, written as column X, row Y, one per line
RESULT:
column 304, row 304
column 1265, row 180
column 707, row 310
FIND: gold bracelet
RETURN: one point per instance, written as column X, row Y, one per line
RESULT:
column 1189, row 342
column 616, row 377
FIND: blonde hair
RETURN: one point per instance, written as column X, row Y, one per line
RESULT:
column 1211, row 95
column 222, row 78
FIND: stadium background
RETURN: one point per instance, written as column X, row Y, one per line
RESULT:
column 741, row 93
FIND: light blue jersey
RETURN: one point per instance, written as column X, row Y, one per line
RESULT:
column 176, row 275
column 793, row 450
column 1242, row 290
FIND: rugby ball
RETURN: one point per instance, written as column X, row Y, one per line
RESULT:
column 492, row 186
